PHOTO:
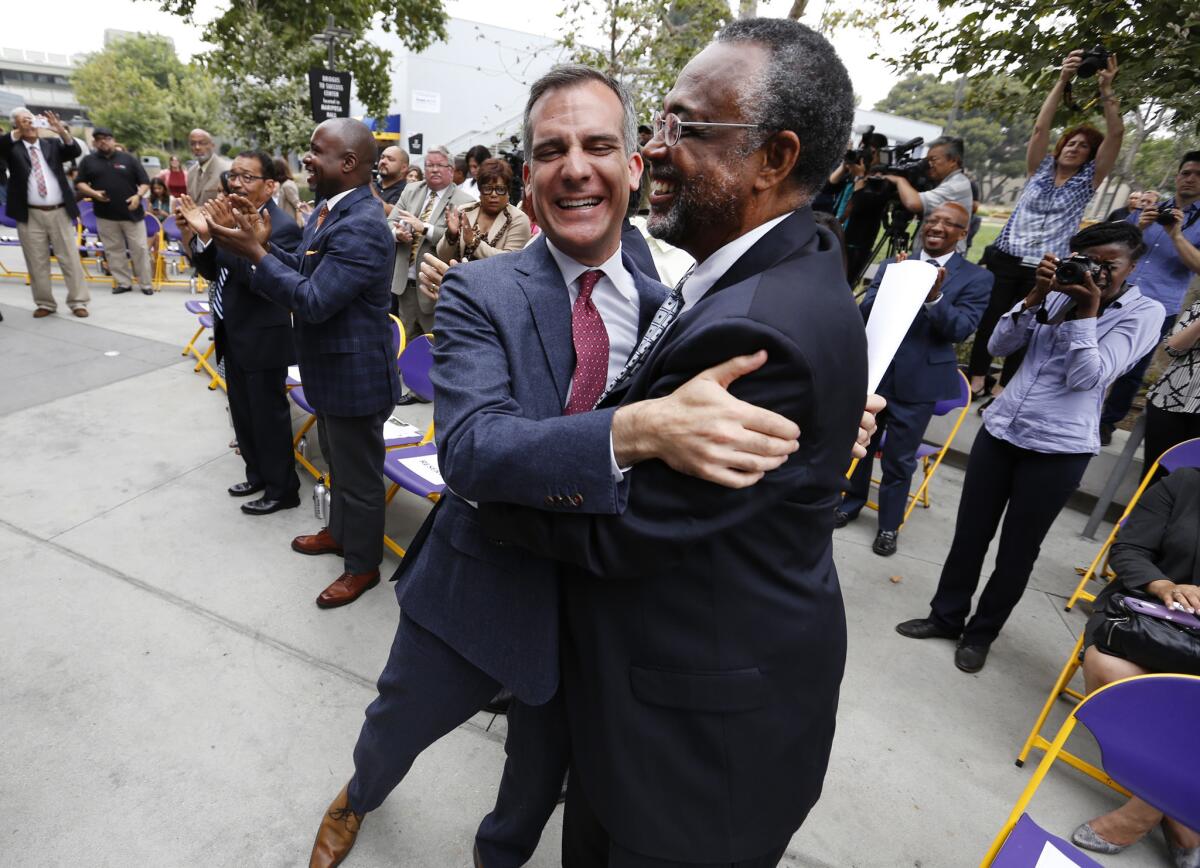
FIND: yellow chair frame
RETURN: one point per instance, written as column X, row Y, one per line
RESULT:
column 1099, row 565
column 921, row 495
column 1056, row 752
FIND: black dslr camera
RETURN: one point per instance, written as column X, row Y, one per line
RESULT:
column 1072, row 270
column 1166, row 214
column 1093, row 60
column 898, row 160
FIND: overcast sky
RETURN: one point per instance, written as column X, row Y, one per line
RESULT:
column 77, row 28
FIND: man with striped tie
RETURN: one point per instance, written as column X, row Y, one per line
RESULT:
column 526, row 345
column 254, row 338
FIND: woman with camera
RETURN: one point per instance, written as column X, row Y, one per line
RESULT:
column 1081, row 327
column 1050, row 207
column 1155, row 558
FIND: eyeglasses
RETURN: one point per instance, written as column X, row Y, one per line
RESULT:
column 243, row 177
column 670, row 127
column 938, row 221
column 436, row 167
column 493, row 191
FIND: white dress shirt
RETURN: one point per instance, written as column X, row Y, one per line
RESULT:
column 54, row 194
column 711, row 270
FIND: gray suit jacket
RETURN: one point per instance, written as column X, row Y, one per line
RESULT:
column 204, row 182
column 412, row 200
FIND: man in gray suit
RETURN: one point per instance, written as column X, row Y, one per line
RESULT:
column 204, row 178
column 418, row 221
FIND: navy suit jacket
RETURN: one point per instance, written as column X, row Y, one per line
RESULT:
column 257, row 330
column 503, row 363
column 926, row 367
column 54, row 154
column 337, row 284
column 706, row 632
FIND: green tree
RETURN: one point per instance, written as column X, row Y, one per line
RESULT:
column 263, row 54
column 995, row 143
column 145, row 93
column 644, row 45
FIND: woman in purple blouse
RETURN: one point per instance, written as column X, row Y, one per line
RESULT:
column 1040, row 434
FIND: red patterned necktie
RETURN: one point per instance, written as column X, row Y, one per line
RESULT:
column 591, row 348
column 322, row 214
column 35, row 157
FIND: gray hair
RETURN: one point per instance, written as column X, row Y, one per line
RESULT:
column 803, row 87
column 444, row 151
column 572, row 75
column 952, row 146
column 12, row 115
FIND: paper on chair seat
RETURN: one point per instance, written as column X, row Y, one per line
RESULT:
column 394, row 429
column 294, row 372
column 1052, row 857
column 424, row 466
column 897, row 303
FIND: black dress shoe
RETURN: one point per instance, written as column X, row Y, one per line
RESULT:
column 117, row 290
column 923, row 628
column 262, row 506
column 242, row 489
column 500, row 702
column 841, row 519
column 147, row 291
column 885, row 543
column 410, row 398
column 970, row 658
column 1106, row 432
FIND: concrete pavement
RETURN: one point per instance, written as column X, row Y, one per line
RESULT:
column 173, row 697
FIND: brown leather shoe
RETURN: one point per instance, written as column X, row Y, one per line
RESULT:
column 80, row 312
column 40, row 312
column 347, row 588
column 339, row 829
column 319, row 543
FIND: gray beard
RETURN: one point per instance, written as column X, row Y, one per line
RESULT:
column 704, row 201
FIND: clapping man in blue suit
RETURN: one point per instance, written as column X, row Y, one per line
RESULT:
column 337, row 284
column 924, row 371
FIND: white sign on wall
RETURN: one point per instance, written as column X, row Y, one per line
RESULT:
column 427, row 101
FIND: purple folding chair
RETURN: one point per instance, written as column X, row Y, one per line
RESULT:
column 415, row 469
column 1122, row 717
column 415, row 364
column 197, row 308
column 1026, row 843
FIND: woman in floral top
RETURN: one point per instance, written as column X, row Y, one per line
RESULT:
column 1050, row 208
column 1173, row 403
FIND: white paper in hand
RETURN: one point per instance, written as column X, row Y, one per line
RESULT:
column 901, row 294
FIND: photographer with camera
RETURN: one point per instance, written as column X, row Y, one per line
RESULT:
column 945, row 171
column 860, row 205
column 1172, row 233
column 1082, row 325
column 1050, row 207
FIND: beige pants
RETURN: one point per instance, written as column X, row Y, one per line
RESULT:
column 413, row 314
column 116, row 235
column 43, row 230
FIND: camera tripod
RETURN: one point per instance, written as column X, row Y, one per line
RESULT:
column 895, row 238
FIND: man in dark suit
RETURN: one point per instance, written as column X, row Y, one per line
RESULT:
column 254, row 337
column 705, row 628
column 336, row 285
column 42, row 201
column 515, row 372
column 924, row 371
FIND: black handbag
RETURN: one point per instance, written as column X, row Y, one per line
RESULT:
column 1155, row 644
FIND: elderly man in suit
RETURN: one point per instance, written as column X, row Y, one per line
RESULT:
column 336, row 285
column 570, row 308
column 924, row 372
column 418, row 223
column 705, row 632
column 254, row 338
column 204, row 177
column 42, row 202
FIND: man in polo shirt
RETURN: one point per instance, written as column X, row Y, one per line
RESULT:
column 393, row 167
column 40, row 199
column 1163, row 273
column 116, row 183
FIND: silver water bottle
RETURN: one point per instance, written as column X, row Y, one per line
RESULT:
column 320, row 497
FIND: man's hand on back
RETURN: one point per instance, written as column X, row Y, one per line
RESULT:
column 703, row 431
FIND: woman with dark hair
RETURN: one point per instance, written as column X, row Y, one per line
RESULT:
column 476, row 157
column 414, row 175
column 1082, row 326
column 488, row 227
column 287, row 196
column 1155, row 557
column 1049, row 210
column 161, row 205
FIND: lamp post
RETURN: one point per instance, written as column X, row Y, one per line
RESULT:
column 329, row 37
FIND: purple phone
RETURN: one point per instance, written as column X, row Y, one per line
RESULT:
column 1158, row 610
